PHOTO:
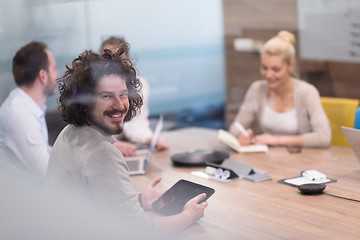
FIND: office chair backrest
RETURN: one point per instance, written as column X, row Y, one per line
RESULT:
column 340, row 112
column 357, row 118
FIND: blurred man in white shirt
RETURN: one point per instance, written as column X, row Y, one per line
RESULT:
column 24, row 146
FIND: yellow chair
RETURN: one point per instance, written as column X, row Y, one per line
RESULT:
column 340, row 112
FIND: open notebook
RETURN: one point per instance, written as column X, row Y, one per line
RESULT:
column 232, row 142
column 138, row 164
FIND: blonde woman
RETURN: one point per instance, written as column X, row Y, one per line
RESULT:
column 287, row 111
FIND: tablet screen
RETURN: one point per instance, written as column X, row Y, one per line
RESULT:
column 173, row 201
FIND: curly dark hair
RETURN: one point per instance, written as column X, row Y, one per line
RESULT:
column 78, row 84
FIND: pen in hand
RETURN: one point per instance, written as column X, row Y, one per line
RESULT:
column 241, row 129
column 246, row 133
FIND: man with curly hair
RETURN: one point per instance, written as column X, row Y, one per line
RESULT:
column 98, row 93
column 137, row 132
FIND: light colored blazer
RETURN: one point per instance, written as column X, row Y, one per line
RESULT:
column 84, row 161
column 313, row 122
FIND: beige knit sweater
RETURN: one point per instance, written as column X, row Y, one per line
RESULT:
column 312, row 120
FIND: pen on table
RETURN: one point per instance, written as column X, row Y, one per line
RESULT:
column 241, row 129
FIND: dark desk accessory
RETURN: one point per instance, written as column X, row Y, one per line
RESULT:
column 294, row 149
column 173, row 200
column 198, row 158
column 312, row 188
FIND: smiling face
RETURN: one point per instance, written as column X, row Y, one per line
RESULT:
column 111, row 104
column 275, row 70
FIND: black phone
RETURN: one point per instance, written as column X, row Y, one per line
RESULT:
column 173, row 200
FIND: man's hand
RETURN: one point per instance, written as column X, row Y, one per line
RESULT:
column 191, row 213
column 151, row 195
column 194, row 211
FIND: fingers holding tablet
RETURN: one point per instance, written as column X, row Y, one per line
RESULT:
column 184, row 195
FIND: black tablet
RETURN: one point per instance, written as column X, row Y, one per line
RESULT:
column 173, row 201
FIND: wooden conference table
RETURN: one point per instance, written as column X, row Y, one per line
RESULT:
column 241, row 209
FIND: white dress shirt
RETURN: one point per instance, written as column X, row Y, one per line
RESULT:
column 24, row 145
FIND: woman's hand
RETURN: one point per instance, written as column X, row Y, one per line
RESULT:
column 267, row 139
column 127, row 149
column 246, row 139
column 279, row 140
column 162, row 144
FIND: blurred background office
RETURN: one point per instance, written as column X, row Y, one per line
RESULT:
column 199, row 56
column 176, row 45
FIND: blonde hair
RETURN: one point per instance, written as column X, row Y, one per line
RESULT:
column 282, row 44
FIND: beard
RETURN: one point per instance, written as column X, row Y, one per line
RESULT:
column 50, row 88
column 114, row 129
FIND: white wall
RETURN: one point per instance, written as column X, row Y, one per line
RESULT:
column 329, row 30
